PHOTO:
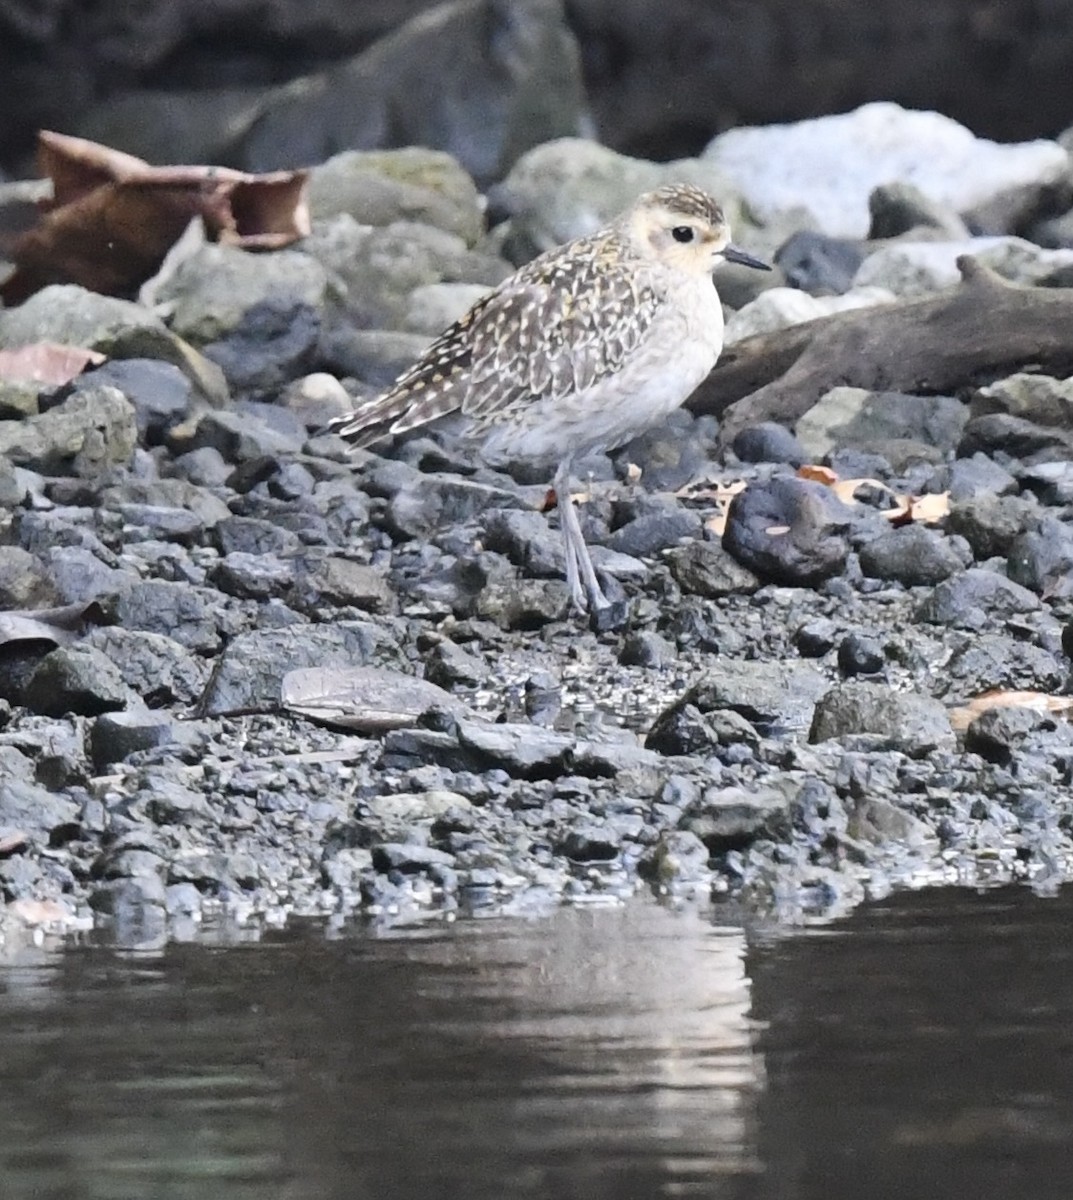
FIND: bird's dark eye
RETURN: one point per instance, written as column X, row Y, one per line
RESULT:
column 682, row 233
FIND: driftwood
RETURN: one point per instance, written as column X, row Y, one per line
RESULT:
column 982, row 330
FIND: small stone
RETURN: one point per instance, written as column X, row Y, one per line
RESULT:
column 859, row 654
column 912, row 555
column 76, row 679
column 975, row 598
column 905, row 721
column 706, row 569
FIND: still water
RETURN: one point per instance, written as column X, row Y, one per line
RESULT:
column 921, row 1048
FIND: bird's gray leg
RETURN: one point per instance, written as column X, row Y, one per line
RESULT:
column 578, row 560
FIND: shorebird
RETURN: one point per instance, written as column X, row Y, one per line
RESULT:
column 578, row 351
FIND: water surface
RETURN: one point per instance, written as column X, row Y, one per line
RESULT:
column 917, row 1049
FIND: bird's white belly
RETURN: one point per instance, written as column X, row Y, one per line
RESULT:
column 655, row 380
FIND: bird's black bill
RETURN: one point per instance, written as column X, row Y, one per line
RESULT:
column 734, row 255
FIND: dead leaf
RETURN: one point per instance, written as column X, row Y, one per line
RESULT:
column 47, row 363
column 59, row 626
column 964, row 714
column 372, row 699
column 717, row 494
column 818, row 473
column 113, row 217
column 924, row 510
column 846, row 489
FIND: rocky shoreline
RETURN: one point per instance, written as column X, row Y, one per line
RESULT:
column 243, row 676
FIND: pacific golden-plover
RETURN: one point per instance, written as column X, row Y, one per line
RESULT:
column 578, row 351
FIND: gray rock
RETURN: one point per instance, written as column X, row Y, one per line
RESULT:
column 571, row 187
column 788, row 530
column 816, row 637
column 818, row 264
column 448, row 664
column 916, row 269
column 275, row 340
column 78, row 575
column 249, row 674
column 253, row 536
column 316, row 399
column 1042, row 560
column 912, row 555
column 523, row 603
column 186, row 614
column 706, row 569
column 977, row 476
column 375, row 271
column 866, row 420
column 76, row 679
column 1039, row 398
column 253, row 576
column 990, row 523
column 656, row 530
column 897, row 208
column 161, row 394
column 410, row 859
column 670, row 454
column 879, row 822
column 678, row 857
column 26, row 806
column 380, row 187
column 996, row 733
column 646, row 648
column 375, row 357
column 203, row 468
column 432, row 307
column 730, row 818
column 526, row 539
column 1052, row 483
column 990, row 661
column 157, row 667
column 23, row 581
column 782, row 168
column 431, row 502
column 370, row 699
column 324, row 581
column 507, row 77
column 74, row 316
column 240, row 436
column 859, row 654
column 89, row 432
column 975, row 598
column 781, row 307
column 524, row 751
column 115, row 736
column 198, row 501
column 591, row 842
column 211, row 292
column 683, row 729
column 145, row 522
column 1016, row 438
column 914, row 724
column 769, row 442
column 770, row 695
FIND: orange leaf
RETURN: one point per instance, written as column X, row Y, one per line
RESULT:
column 818, row 474
column 962, row 716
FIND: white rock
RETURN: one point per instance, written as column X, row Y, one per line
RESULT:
column 911, row 269
column 781, row 307
column 571, row 187
column 434, row 306
column 830, row 165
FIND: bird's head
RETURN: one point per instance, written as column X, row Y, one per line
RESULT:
column 683, row 227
